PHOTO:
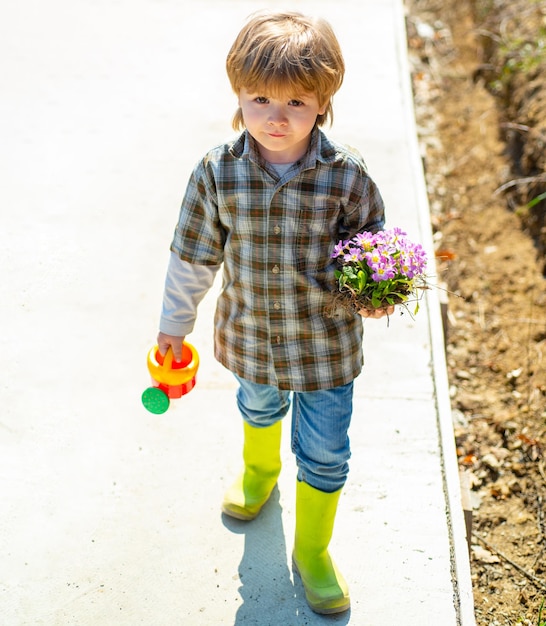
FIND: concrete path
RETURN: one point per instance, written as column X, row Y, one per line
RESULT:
column 110, row 515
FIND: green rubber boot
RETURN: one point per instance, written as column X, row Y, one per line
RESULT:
column 262, row 466
column 325, row 588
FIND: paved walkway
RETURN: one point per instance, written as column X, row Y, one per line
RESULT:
column 110, row 515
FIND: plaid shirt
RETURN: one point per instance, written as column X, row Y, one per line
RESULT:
column 275, row 236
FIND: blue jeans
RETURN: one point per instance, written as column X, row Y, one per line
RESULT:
column 320, row 424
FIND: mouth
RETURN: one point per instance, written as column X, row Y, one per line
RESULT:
column 276, row 135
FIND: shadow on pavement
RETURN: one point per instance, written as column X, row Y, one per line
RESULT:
column 270, row 597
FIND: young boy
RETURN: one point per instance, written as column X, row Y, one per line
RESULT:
column 270, row 206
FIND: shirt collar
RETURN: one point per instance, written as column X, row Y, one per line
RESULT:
column 320, row 149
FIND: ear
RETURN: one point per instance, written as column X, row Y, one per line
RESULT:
column 322, row 109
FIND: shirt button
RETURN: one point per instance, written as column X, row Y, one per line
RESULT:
column 277, row 305
column 276, row 269
column 277, row 230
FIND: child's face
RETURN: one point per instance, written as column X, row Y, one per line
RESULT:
column 282, row 127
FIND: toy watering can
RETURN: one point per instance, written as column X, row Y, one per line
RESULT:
column 170, row 379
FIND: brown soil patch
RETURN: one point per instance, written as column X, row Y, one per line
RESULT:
column 479, row 77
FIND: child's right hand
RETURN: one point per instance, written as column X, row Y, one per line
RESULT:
column 164, row 342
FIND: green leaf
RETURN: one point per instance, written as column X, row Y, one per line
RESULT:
column 362, row 280
column 536, row 200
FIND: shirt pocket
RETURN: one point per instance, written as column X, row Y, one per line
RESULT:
column 315, row 239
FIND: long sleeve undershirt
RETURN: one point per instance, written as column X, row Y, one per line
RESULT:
column 185, row 286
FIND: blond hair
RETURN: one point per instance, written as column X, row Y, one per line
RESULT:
column 286, row 53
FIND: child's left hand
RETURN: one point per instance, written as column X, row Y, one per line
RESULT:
column 377, row 313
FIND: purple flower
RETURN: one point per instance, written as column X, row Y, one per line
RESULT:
column 373, row 258
column 353, row 255
column 383, row 271
column 339, row 249
column 398, row 233
column 413, row 260
column 365, row 240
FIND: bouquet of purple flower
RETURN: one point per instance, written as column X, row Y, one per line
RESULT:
column 379, row 270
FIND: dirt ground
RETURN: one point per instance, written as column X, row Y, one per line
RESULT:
column 479, row 78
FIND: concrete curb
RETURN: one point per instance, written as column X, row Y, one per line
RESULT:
column 462, row 581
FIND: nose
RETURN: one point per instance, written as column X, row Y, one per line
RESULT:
column 277, row 116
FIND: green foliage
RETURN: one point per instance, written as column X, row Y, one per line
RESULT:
column 519, row 55
column 540, row 621
column 536, row 200
column 524, row 56
column 358, row 281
